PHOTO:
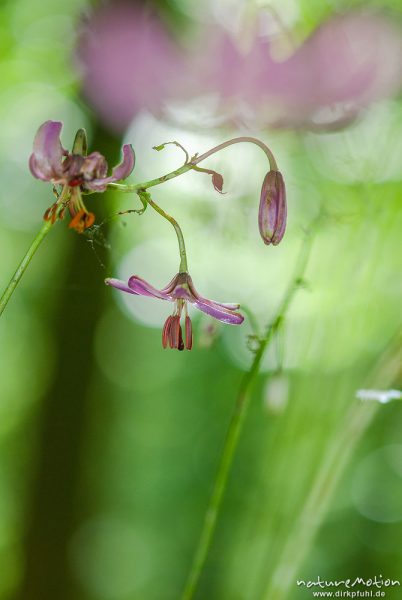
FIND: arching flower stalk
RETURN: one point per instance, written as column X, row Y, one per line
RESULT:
column 181, row 290
column 272, row 217
column 74, row 174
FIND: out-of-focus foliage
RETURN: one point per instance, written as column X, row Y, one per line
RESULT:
column 154, row 421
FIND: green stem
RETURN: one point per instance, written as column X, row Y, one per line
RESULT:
column 355, row 423
column 129, row 189
column 235, row 427
column 23, row 264
column 195, row 161
column 182, row 248
column 239, row 140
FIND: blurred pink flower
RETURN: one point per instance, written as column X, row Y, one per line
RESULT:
column 129, row 63
column 349, row 60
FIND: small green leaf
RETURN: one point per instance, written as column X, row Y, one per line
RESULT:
column 80, row 145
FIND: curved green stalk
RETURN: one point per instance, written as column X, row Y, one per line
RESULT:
column 193, row 162
column 183, row 268
column 44, row 230
column 239, row 140
column 235, row 426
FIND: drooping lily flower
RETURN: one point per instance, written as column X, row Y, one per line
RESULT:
column 180, row 290
column 273, row 209
column 75, row 171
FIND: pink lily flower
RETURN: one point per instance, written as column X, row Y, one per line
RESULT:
column 77, row 173
column 180, row 290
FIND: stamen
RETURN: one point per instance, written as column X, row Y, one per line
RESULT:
column 51, row 213
column 48, row 216
column 181, row 344
column 89, row 219
column 188, row 333
column 82, row 220
column 174, row 334
column 166, row 331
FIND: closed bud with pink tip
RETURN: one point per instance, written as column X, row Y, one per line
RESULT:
column 273, row 210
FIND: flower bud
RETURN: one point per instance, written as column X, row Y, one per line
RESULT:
column 272, row 212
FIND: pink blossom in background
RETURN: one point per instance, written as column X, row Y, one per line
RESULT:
column 353, row 59
column 129, row 62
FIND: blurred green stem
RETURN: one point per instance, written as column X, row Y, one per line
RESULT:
column 344, row 442
column 8, row 292
column 237, row 420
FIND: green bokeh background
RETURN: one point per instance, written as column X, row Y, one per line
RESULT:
column 109, row 444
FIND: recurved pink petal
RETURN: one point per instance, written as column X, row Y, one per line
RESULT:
column 122, row 171
column 168, row 289
column 45, row 161
column 37, row 171
column 143, row 288
column 194, row 295
column 120, row 285
column 218, row 311
column 228, row 305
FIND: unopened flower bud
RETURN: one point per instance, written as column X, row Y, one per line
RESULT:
column 273, row 211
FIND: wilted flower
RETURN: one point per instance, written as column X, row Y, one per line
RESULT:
column 273, row 210
column 180, row 291
column 347, row 62
column 75, row 172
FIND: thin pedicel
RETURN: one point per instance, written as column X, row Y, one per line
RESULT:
column 238, row 417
